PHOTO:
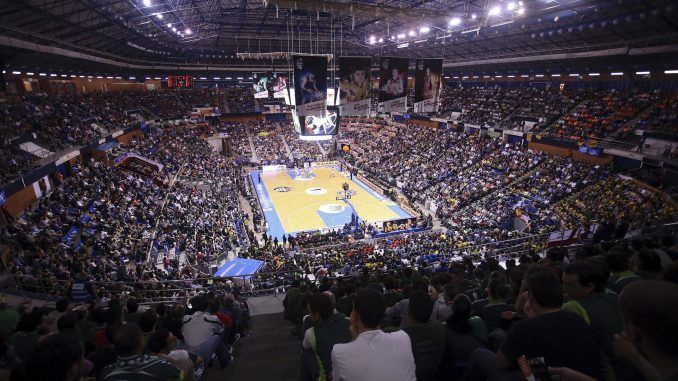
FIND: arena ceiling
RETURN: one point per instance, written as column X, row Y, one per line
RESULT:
column 482, row 35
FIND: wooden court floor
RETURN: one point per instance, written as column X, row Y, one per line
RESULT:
column 298, row 207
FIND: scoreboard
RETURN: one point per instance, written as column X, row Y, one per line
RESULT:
column 179, row 81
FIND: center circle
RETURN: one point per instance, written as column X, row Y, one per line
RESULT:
column 316, row 191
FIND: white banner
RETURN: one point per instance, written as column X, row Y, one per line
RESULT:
column 394, row 105
column 316, row 108
column 262, row 94
column 359, row 108
column 427, row 105
column 42, row 187
column 273, row 168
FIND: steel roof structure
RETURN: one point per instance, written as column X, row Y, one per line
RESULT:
column 217, row 35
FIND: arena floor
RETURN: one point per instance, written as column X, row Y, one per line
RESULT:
column 293, row 205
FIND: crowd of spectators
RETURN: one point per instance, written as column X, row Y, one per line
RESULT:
column 209, row 97
column 54, row 122
column 101, row 224
column 583, row 312
column 123, row 340
column 604, row 113
column 239, row 99
column 662, row 117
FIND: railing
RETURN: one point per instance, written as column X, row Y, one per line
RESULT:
column 263, row 282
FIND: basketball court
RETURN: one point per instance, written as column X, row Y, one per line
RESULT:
column 293, row 202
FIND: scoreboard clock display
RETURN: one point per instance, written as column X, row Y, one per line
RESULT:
column 179, row 81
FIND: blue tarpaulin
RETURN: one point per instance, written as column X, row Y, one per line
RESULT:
column 239, row 267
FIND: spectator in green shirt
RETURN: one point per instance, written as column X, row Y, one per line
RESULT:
column 464, row 334
column 328, row 329
column 584, row 286
column 427, row 337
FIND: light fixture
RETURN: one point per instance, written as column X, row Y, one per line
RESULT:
column 574, row 75
column 521, row 11
column 510, row 76
column 670, row 71
column 617, row 73
column 539, row 75
column 147, row 3
column 401, row 35
column 188, row 31
column 381, row 39
column 642, row 73
column 412, row 33
column 594, row 74
column 524, row 76
column 454, row 21
column 474, row 16
column 424, row 29
column 169, row 24
column 30, row 73
column 16, row 72
column 511, row 6
column 495, row 11
column 159, row 16
column 555, row 75
column 216, row 78
column 373, row 40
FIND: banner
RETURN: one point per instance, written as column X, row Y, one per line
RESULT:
column 354, row 87
column 260, row 82
column 42, row 187
column 279, row 85
column 427, row 84
column 310, row 84
column 400, row 224
column 393, row 84
column 320, row 125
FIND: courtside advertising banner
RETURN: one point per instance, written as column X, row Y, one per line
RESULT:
column 427, row 84
column 279, row 85
column 354, row 86
column 260, row 82
column 393, row 84
column 310, row 85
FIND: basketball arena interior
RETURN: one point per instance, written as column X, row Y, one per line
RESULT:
column 343, row 190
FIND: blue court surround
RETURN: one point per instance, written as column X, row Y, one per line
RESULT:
column 275, row 227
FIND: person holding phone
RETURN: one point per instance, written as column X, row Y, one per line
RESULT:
column 561, row 338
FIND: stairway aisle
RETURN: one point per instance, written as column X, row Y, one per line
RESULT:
column 269, row 353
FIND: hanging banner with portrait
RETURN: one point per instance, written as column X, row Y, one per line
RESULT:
column 310, row 85
column 393, row 72
column 354, row 86
column 428, row 72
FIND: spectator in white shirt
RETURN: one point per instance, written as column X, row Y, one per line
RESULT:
column 373, row 354
column 203, row 331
